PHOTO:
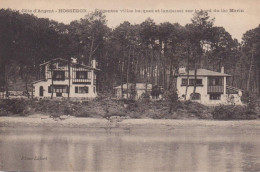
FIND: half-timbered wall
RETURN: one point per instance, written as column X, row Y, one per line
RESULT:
column 56, row 74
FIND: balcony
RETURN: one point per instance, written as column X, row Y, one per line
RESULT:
column 81, row 81
column 216, row 89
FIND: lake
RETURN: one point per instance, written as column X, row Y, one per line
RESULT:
column 181, row 148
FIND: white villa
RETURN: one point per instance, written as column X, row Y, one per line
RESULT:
column 211, row 87
column 58, row 78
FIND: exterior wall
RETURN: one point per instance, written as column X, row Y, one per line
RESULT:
column 234, row 99
column 139, row 93
column 225, row 85
column 202, row 90
column 223, row 100
column 48, row 82
column 2, row 95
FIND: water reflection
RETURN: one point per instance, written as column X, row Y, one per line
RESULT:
column 139, row 150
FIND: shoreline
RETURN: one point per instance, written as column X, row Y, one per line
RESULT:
column 77, row 122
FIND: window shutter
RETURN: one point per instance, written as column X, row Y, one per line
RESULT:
column 184, row 81
column 49, row 89
column 76, row 89
column 89, row 75
column 77, row 75
column 63, row 75
column 54, row 75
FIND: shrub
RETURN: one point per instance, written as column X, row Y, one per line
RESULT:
column 134, row 115
column 14, row 106
column 171, row 97
column 133, row 94
column 145, row 97
column 154, row 114
column 156, row 91
column 69, row 110
column 114, row 110
column 249, row 99
column 205, row 115
column 233, row 112
column 3, row 109
column 82, row 113
column 132, row 106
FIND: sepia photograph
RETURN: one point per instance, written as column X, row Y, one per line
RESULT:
column 123, row 85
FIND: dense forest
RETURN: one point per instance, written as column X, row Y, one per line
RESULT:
column 130, row 53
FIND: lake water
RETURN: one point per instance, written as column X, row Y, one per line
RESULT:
column 187, row 148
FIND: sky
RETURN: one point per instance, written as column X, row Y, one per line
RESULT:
column 245, row 15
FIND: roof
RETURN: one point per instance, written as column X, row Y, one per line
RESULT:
column 60, row 59
column 233, row 88
column 124, row 86
column 142, row 86
column 57, row 59
column 139, row 86
column 203, row 72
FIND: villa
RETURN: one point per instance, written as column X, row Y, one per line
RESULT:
column 211, row 87
column 58, row 78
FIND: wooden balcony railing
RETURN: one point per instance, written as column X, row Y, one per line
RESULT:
column 216, row 89
column 81, row 81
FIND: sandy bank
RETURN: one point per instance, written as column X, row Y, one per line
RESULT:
column 73, row 122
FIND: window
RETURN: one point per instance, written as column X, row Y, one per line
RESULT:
column 195, row 96
column 59, row 75
column 184, row 81
column 81, row 90
column 58, row 94
column 81, row 75
column 95, row 78
column 62, row 65
column 94, row 89
column 192, row 81
column 60, row 89
column 41, row 91
column 215, row 81
column 215, row 96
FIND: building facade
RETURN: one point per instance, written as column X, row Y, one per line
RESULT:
column 211, row 87
column 138, row 88
column 59, row 78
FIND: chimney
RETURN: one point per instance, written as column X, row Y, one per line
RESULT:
column 74, row 60
column 93, row 63
column 182, row 70
column 222, row 69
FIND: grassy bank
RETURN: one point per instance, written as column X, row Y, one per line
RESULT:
column 105, row 108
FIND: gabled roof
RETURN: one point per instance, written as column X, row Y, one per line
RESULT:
column 54, row 60
column 203, row 72
column 72, row 63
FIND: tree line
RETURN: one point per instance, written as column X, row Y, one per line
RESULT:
column 130, row 53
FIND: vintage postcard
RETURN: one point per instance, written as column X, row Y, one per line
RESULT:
column 123, row 85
